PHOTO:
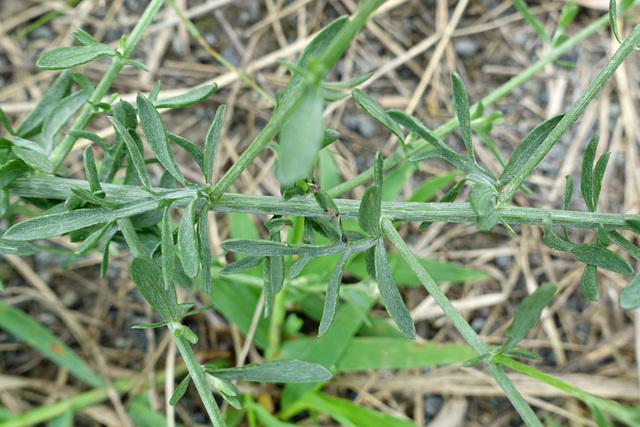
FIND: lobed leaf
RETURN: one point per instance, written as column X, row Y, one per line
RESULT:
column 187, row 242
column 156, row 135
column 390, row 294
column 630, row 295
column 598, row 256
column 588, row 283
column 461, row 102
column 211, row 143
column 527, row 314
column 61, row 58
column 147, row 276
column 186, row 99
column 333, row 295
column 167, row 246
column 374, row 109
column 280, row 371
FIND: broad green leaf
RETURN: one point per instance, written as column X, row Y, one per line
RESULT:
column 243, row 264
column 61, row 114
column 91, row 170
column 205, row 249
column 613, row 19
column 522, row 7
column 46, row 226
column 17, row 247
column 192, row 97
column 461, row 102
column 624, row 244
column 526, row 148
column 483, row 198
column 66, row 57
column 187, row 243
column 11, row 170
column 598, row 175
column 58, row 90
column 379, row 353
column 180, row 390
column 37, row 336
column 390, row 294
column 630, row 295
column 333, row 295
column 554, row 240
column 167, row 246
column 156, row 135
column 588, row 283
column 269, row 248
column 95, row 237
column 280, row 371
column 301, row 137
column 527, row 314
column 147, row 276
column 373, row 109
column 586, row 183
column 211, row 143
column 91, row 137
column 601, row 257
column 135, row 156
column 194, row 151
column 369, row 213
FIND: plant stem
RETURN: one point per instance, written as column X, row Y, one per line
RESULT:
column 572, row 115
column 61, row 151
column 516, row 399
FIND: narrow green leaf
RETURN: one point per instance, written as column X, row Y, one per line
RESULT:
column 633, row 224
column 461, row 102
column 598, row 175
column 168, row 249
column 155, row 91
column 198, row 311
column 243, row 264
column 66, row 57
column 37, row 336
column 91, row 137
column 333, row 294
column 269, row 248
column 475, row 360
column 17, row 247
column 624, row 244
column 613, row 19
column 630, row 295
column 194, row 151
column 277, row 271
column 90, row 169
column 186, row 99
column 277, row 223
column 526, row 148
column 4, row 120
column 390, row 294
column 268, row 286
column 84, row 38
column 297, row 267
column 586, row 182
column 280, row 371
column 519, row 352
column 373, row 109
column 522, row 7
column 104, row 264
column 483, row 198
column 61, row 114
column 568, row 192
column 95, row 237
column 588, row 283
column 350, row 83
column 378, row 169
column 188, row 334
column 156, row 135
column 205, row 249
column 84, row 83
column 147, row 276
column 187, row 241
column 180, row 391
column 601, row 257
column 135, row 156
column 554, row 240
column 211, row 143
column 33, row 158
column 301, row 137
column 149, row 325
column 58, row 90
column 369, row 213
column 136, row 64
column 527, row 314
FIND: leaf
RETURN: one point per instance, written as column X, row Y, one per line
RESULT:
column 91, row 137
column 270, row 248
column 329, row 136
column 527, row 314
column 84, row 38
column 522, row 7
column 147, row 276
column 588, row 283
column 630, row 295
column 243, row 264
column 427, row 189
column 31, row 155
column 280, row 371
column 168, row 249
column 624, row 244
column 601, row 257
column 519, row 352
column 369, row 213
column 211, row 143
column 186, row 99
column 301, row 137
column 378, row 169
column 526, row 148
column 180, row 390
column 586, row 183
column 84, row 83
column 373, row 109
column 126, row 114
column 554, row 240
column 135, row 156
column 613, row 19
column 483, row 198
column 156, row 136
column 149, row 325
column 95, row 237
column 461, row 102
column 90, row 169
column 155, row 91
column 194, row 151
column 333, row 295
column 568, row 192
column 4, row 120
column 632, row 223
column 194, row 312
column 187, row 242
column 205, row 249
column 136, row 64
column 66, row 57
column 58, row 90
column 17, row 247
column 598, row 175
column 22, row 326
column 390, row 294
column 61, row 114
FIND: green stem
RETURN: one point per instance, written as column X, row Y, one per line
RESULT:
column 516, row 399
column 61, row 151
column 572, row 115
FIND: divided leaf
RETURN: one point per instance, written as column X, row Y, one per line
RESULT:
column 373, row 109
column 333, row 294
column 147, row 276
column 66, row 57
